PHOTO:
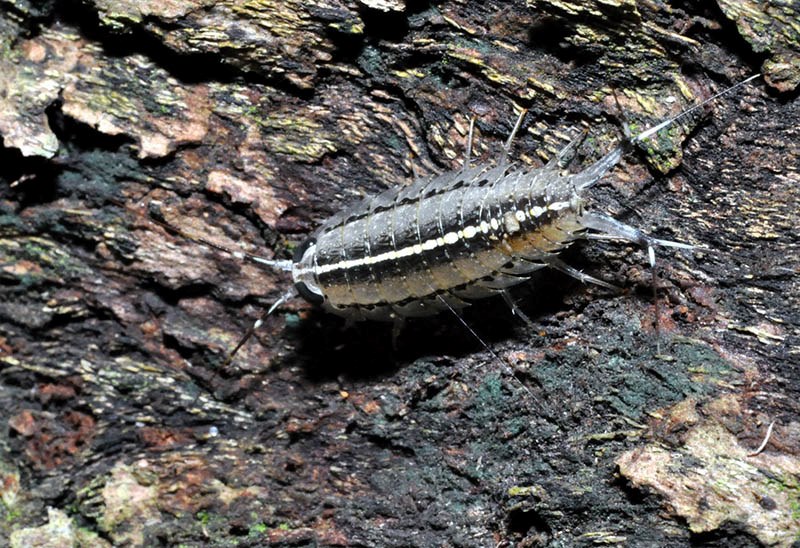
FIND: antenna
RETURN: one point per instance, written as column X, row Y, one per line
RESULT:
column 655, row 129
column 277, row 264
column 483, row 343
column 650, row 241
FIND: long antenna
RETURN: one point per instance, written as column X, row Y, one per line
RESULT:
column 494, row 355
column 278, row 264
column 650, row 251
column 284, row 265
column 290, row 294
column 655, row 129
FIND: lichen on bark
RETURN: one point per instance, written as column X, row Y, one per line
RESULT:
column 247, row 123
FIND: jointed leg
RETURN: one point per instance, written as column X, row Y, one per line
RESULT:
column 470, row 136
column 507, row 145
column 608, row 227
column 515, row 309
column 560, row 265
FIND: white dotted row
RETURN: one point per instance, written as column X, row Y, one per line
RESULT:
column 450, row 238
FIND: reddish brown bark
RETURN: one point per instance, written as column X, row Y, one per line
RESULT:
column 247, row 124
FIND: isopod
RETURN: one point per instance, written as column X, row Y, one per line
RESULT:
column 463, row 235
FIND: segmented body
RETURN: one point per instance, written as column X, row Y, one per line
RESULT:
column 440, row 242
column 462, row 235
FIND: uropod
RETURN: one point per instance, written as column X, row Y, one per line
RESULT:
column 468, row 234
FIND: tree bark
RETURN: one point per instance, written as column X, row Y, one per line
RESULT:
column 132, row 130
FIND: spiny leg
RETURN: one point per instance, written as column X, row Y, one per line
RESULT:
column 611, row 228
column 507, row 145
column 470, row 136
column 483, row 343
column 515, row 309
column 561, row 266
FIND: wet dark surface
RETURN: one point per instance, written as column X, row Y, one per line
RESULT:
column 113, row 330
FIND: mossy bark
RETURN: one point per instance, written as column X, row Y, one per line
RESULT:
column 246, row 123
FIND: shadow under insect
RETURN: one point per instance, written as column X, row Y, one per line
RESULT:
column 328, row 348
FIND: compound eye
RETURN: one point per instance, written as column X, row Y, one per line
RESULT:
column 305, row 281
column 308, row 294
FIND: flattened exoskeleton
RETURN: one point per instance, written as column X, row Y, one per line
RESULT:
column 468, row 234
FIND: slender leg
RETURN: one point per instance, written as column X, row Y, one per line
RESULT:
column 611, row 228
column 561, row 266
column 397, row 329
column 515, row 309
column 468, row 156
column 507, row 145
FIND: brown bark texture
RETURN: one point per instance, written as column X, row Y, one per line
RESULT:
column 130, row 129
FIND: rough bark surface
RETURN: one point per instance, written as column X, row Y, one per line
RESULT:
column 247, row 122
